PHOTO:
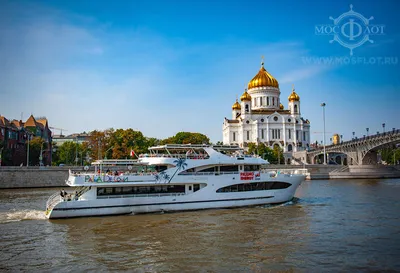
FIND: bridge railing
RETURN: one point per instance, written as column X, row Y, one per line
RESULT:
column 357, row 140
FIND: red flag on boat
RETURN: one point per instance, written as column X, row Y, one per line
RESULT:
column 132, row 152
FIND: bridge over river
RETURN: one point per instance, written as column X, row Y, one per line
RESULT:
column 359, row 151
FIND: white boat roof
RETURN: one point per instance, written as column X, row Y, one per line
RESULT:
column 195, row 146
column 118, row 162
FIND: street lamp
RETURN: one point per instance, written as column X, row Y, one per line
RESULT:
column 105, row 156
column 41, row 155
column 354, row 133
column 323, row 116
column 98, row 150
column 383, row 127
column 367, row 131
column 76, row 151
column 27, row 153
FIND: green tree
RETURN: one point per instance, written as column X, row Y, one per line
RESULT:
column 123, row 141
column 186, row 138
column 278, row 153
column 264, row 151
column 36, row 145
column 98, row 143
column 390, row 155
column 67, row 153
column 252, row 148
column 5, row 155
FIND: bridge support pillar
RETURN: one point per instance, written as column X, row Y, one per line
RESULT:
column 371, row 158
column 352, row 158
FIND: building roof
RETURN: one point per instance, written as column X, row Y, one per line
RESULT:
column 263, row 79
column 43, row 122
column 4, row 122
column 30, row 122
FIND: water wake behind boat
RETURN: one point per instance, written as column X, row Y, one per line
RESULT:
column 15, row 216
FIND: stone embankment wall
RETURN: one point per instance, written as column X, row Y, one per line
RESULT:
column 366, row 171
column 36, row 177
column 32, row 177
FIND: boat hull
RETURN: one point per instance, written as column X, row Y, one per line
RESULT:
column 206, row 198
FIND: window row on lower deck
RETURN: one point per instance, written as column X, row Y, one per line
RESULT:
column 259, row 186
column 140, row 190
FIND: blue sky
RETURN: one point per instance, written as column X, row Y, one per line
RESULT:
column 167, row 66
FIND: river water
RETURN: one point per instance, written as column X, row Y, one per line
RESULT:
column 331, row 226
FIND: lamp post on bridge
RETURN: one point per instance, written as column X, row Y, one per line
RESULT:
column 367, row 131
column 383, row 127
column 323, row 116
column 354, row 133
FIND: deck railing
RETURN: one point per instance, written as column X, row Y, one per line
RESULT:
column 285, row 171
column 271, row 171
column 207, row 173
column 53, row 200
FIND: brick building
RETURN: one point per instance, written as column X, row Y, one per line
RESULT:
column 14, row 138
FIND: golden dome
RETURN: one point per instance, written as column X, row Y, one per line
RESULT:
column 263, row 79
column 281, row 106
column 246, row 96
column 236, row 105
column 294, row 96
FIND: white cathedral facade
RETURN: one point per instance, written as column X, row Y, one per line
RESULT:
column 260, row 117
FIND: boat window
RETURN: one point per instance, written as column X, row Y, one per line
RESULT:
column 137, row 190
column 190, row 188
column 207, row 170
column 229, row 168
column 259, row 186
column 160, row 168
column 127, row 190
column 249, row 168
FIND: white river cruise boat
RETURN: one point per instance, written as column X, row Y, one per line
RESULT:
column 174, row 177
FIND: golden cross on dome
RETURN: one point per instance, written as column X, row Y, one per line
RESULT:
column 262, row 59
column 236, row 97
column 293, row 86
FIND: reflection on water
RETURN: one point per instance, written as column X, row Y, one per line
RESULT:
column 331, row 226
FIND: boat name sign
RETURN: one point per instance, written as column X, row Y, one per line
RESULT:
column 250, row 176
column 105, row 179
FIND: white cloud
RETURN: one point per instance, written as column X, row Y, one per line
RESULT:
column 302, row 73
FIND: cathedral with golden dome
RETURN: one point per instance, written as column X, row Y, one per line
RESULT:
column 260, row 117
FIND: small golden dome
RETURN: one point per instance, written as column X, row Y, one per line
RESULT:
column 281, row 106
column 236, row 105
column 246, row 96
column 263, row 79
column 294, row 96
